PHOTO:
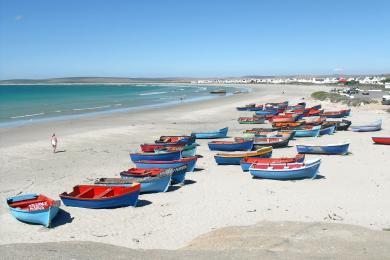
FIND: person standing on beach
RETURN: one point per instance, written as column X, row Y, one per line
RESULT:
column 54, row 142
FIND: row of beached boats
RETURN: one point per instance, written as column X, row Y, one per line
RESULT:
column 158, row 166
column 166, row 161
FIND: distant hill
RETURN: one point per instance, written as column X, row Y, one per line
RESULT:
column 106, row 80
column 95, row 80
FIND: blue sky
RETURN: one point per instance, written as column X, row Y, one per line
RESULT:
column 41, row 39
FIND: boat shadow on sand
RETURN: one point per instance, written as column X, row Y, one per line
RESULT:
column 176, row 187
column 63, row 217
column 318, row 177
column 143, row 203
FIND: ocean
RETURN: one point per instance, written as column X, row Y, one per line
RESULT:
column 24, row 104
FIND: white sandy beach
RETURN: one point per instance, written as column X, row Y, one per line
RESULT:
column 355, row 189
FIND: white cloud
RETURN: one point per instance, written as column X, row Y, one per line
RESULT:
column 18, row 17
column 338, row 69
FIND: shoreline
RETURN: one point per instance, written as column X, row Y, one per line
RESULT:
column 214, row 197
column 104, row 108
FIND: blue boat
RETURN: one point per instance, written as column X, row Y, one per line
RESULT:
column 313, row 132
column 266, row 112
column 101, row 197
column 176, row 139
column 33, row 208
column 189, row 162
column 247, row 162
column 235, row 158
column 375, row 126
column 289, row 171
column 179, row 175
column 162, row 156
column 242, row 145
column 221, row 133
column 328, row 130
column 186, row 151
column 324, row 149
column 149, row 184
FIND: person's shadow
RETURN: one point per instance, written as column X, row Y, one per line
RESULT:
column 60, row 151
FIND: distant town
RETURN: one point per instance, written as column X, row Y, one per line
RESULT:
column 364, row 80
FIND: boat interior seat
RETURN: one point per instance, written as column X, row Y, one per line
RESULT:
column 104, row 193
column 24, row 203
column 84, row 192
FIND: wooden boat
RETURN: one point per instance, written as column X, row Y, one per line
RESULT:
column 150, row 148
column 218, row 91
column 341, row 125
column 172, row 139
column 275, row 142
column 149, row 184
column 99, row 197
column 141, row 173
column 163, row 156
column 287, row 124
column 308, row 131
column 375, row 126
column 189, row 162
column 341, row 149
column 33, row 208
column 381, row 140
column 289, row 171
column 266, row 112
column 314, row 120
column 247, row 162
column 178, row 173
column 278, row 134
column 287, row 118
column 336, row 114
column 186, row 151
column 248, row 107
column 256, row 130
column 251, row 120
column 235, row 158
column 347, row 112
column 328, row 130
column 221, row 133
column 236, row 145
column 313, row 112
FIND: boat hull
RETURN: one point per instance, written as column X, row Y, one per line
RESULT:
column 328, row 131
column 240, row 146
column 129, row 199
column 222, row 160
column 340, row 149
column 307, row 133
column 43, row 217
column 381, row 140
column 168, row 156
column 245, row 166
column 153, row 185
column 222, row 133
column 190, row 162
column 309, row 171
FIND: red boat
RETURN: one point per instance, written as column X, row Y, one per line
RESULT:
column 150, row 148
column 314, row 112
column 288, row 118
column 137, row 172
column 247, row 162
column 287, row 124
column 381, row 140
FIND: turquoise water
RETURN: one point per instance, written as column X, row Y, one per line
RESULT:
column 21, row 104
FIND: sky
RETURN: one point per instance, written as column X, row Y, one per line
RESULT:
column 185, row 38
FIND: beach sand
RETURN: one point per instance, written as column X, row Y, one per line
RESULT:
column 352, row 189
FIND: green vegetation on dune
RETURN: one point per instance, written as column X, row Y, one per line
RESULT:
column 336, row 98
